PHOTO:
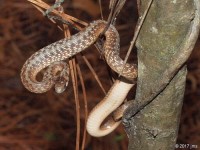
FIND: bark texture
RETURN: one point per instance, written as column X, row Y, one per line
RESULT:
column 164, row 44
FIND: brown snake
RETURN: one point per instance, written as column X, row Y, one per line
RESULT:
column 57, row 72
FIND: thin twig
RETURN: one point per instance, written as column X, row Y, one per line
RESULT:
column 77, row 106
column 117, row 6
column 85, row 104
column 100, row 7
column 72, row 65
column 94, row 73
column 64, row 16
column 76, row 102
column 52, row 20
column 137, row 31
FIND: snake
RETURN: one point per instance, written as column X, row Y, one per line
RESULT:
column 50, row 60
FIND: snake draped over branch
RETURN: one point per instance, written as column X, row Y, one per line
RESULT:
column 57, row 72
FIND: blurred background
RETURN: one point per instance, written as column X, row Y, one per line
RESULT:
column 47, row 121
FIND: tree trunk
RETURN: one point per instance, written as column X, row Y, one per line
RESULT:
column 164, row 44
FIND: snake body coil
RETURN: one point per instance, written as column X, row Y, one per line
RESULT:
column 53, row 54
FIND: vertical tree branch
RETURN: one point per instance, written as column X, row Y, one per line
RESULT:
column 164, row 44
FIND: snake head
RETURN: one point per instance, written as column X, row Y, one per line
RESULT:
column 61, row 84
column 62, row 80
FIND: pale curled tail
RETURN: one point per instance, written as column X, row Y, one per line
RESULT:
column 112, row 101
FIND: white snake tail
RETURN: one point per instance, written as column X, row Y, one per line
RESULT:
column 112, row 101
column 51, row 55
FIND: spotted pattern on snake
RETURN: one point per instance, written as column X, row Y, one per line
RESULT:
column 50, row 56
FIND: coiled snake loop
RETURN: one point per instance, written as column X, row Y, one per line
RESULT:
column 57, row 72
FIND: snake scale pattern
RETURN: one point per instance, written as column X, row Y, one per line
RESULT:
column 57, row 73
